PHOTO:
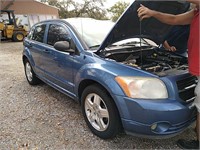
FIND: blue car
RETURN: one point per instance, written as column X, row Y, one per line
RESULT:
column 118, row 72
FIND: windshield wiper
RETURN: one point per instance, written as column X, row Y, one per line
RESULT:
column 131, row 44
column 138, row 43
column 94, row 46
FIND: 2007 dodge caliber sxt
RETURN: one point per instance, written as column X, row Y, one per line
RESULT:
column 117, row 71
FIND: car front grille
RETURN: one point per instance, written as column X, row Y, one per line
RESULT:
column 186, row 88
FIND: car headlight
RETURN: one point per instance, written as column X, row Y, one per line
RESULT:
column 143, row 87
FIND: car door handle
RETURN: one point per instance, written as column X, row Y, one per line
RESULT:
column 46, row 51
column 28, row 44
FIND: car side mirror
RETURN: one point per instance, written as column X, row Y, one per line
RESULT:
column 63, row 46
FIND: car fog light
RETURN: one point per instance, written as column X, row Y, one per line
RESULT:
column 154, row 126
column 160, row 127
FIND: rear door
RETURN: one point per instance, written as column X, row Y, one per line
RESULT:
column 35, row 44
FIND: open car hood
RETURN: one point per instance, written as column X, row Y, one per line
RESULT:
column 129, row 25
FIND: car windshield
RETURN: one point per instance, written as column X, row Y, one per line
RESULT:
column 92, row 31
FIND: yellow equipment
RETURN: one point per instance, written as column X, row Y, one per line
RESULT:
column 10, row 30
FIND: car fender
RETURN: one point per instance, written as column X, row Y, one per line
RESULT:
column 105, row 78
column 28, row 55
column 97, row 73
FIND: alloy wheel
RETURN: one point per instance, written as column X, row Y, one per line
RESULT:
column 97, row 112
column 29, row 73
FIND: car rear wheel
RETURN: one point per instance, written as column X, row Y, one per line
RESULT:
column 30, row 75
column 100, row 112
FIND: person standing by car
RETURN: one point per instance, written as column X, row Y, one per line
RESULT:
column 191, row 17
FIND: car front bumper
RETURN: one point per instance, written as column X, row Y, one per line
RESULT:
column 155, row 118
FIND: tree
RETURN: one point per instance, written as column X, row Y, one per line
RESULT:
column 85, row 8
column 117, row 10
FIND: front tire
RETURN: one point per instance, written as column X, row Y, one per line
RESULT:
column 100, row 112
column 30, row 75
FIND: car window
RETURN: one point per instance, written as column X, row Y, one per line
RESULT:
column 57, row 33
column 30, row 35
column 38, row 34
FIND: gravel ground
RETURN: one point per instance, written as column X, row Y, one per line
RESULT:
column 39, row 117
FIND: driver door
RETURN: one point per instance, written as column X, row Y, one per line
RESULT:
column 58, row 65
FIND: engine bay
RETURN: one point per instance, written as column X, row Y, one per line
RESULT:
column 152, row 59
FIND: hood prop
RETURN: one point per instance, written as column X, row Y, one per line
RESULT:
column 141, row 43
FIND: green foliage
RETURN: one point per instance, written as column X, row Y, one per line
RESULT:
column 85, row 8
column 117, row 9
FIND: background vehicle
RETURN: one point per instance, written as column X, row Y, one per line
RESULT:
column 9, row 28
column 121, row 78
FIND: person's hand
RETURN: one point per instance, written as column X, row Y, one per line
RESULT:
column 144, row 12
column 172, row 49
column 168, row 47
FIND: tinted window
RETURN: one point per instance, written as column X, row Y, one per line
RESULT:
column 38, row 34
column 57, row 33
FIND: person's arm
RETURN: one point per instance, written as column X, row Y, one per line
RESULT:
column 180, row 19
